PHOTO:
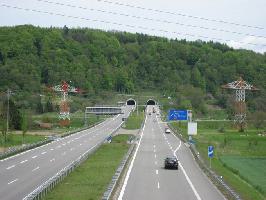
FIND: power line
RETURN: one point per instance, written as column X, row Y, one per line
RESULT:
column 127, row 25
column 151, row 19
column 180, row 14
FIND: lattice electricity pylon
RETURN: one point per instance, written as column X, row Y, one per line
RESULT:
column 64, row 89
column 240, row 86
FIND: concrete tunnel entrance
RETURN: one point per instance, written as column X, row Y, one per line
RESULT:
column 131, row 102
column 151, row 102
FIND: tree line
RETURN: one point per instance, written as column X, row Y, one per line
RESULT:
column 96, row 61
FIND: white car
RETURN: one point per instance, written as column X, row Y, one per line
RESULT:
column 167, row 130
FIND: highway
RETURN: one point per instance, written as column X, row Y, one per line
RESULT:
column 22, row 173
column 146, row 177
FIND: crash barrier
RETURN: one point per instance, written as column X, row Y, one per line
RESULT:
column 15, row 150
column 48, row 185
column 217, row 180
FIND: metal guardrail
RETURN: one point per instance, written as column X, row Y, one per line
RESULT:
column 15, row 150
column 217, row 180
column 48, row 185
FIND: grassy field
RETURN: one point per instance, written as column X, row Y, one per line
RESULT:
column 135, row 120
column 239, row 157
column 90, row 180
column 16, row 140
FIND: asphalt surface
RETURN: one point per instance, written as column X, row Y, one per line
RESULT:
column 147, row 178
column 22, row 173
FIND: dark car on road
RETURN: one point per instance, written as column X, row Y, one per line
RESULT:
column 171, row 163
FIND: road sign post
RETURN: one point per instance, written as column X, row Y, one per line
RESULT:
column 210, row 153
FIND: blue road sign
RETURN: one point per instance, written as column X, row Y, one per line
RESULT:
column 109, row 138
column 210, row 151
column 177, row 115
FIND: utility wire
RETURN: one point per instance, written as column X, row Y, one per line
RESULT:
column 180, row 14
column 126, row 25
column 151, row 19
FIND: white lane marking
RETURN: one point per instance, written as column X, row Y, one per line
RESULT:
column 183, row 170
column 131, row 164
column 64, row 144
column 178, row 147
column 72, row 149
column 158, row 185
column 23, row 161
column 155, row 155
column 52, row 160
column 156, row 171
column 154, row 150
column 156, row 163
column 68, row 142
column 10, row 167
column 189, row 182
column 80, row 144
column 104, row 123
column 44, row 152
column 35, row 169
column 34, row 157
column 52, row 149
column 13, row 181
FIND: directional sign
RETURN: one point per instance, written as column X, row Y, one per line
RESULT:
column 210, row 151
column 177, row 115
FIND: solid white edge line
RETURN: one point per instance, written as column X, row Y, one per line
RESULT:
column 131, row 164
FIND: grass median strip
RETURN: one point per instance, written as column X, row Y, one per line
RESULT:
column 90, row 180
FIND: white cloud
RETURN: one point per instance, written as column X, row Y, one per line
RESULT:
column 250, row 42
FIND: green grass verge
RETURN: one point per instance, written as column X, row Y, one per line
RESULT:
column 236, row 155
column 135, row 120
column 16, row 140
column 90, row 180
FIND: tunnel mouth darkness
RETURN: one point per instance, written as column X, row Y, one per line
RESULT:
column 131, row 102
column 151, row 102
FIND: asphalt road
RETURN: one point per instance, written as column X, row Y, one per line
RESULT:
column 22, row 173
column 147, row 178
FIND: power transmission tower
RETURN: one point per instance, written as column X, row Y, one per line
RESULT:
column 240, row 86
column 64, row 89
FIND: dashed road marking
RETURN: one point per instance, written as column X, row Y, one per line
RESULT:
column 44, row 152
column 12, row 181
column 156, row 171
column 156, row 163
column 52, row 160
column 155, row 155
column 72, row 149
column 52, row 149
column 23, row 161
column 35, row 169
column 10, row 167
column 34, row 157
column 158, row 185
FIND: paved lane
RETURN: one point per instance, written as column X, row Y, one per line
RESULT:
column 22, row 173
column 147, row 178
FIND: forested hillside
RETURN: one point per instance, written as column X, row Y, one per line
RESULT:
column 96, row 61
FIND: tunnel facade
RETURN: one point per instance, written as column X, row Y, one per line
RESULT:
column 151, row 102
column 131, row 102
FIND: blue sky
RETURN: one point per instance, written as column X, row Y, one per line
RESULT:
column 243, row 26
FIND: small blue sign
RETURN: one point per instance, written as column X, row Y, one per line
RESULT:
column 109, row 138
column 177, row 115
column 210, row 151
